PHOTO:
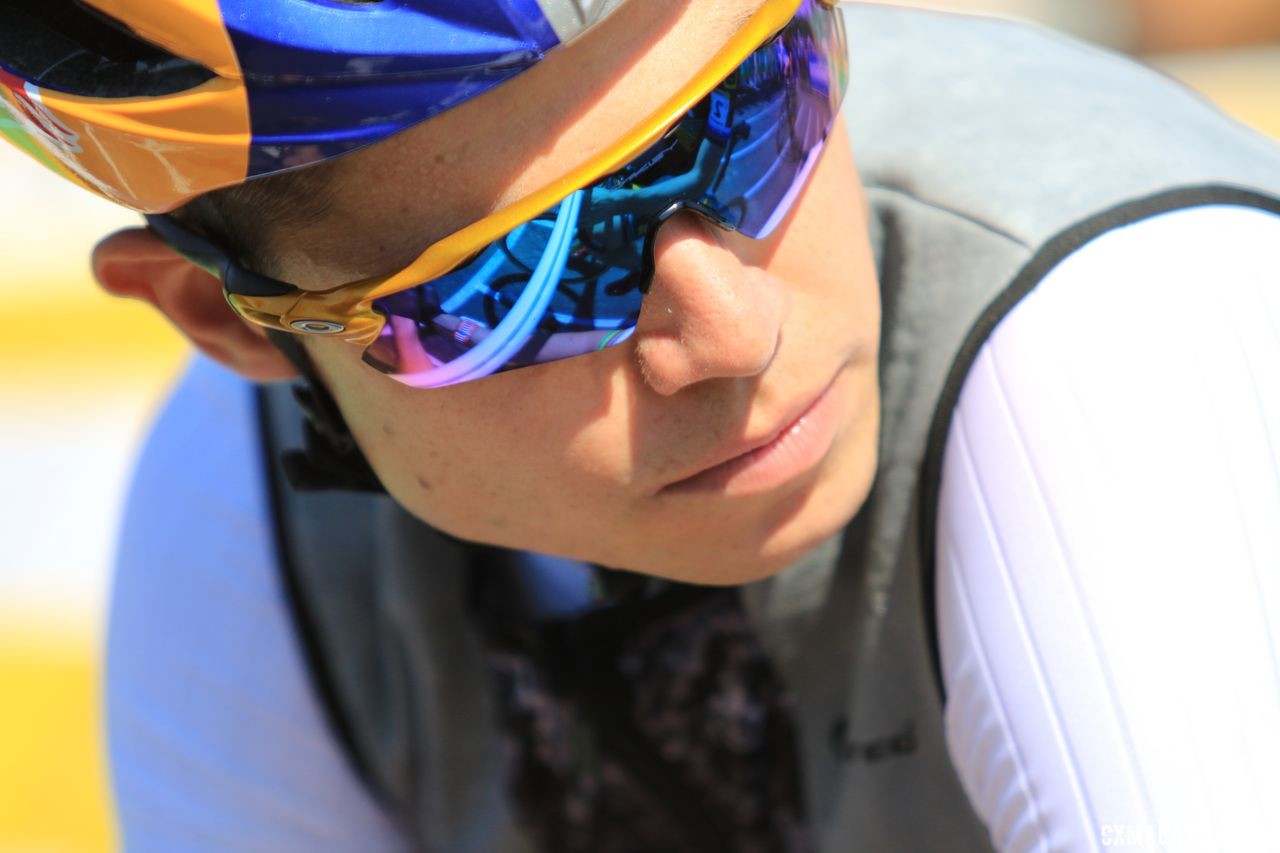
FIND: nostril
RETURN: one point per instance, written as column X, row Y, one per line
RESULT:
column 671, row 363
column 757, row 353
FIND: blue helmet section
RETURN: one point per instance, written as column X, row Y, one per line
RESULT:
column 326, row 77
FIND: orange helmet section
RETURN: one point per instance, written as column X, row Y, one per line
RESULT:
column 140, row 152
column 153, row 153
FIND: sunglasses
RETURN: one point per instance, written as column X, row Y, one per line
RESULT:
column 563, row 272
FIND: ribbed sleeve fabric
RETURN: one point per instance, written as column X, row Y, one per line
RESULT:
column 1108, row 585
column 216, row 740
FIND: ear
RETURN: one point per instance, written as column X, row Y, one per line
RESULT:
column 136, row 263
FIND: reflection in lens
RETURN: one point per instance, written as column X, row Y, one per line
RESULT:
column 739, row 158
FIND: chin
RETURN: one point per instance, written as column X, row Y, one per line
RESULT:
column 751, row 559
column 718, row 566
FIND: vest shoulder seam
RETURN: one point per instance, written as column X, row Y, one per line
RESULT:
column 949, row 211
column 1045, row 258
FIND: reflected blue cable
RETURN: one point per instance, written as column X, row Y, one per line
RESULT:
column 508, row 337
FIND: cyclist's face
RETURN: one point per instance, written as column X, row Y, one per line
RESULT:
column 620, row 457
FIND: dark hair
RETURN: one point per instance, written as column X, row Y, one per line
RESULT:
column 248, row 218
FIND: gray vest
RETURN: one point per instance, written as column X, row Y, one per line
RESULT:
column 990, row 152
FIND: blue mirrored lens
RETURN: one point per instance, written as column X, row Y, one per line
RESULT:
column 740, row 158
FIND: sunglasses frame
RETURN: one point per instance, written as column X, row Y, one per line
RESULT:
column 346, row 312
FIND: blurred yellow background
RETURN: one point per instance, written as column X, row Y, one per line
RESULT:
column 80, row 376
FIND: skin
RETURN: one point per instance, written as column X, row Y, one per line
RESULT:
column 572, row 458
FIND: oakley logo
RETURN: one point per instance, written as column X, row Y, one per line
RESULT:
column 27, row 108
column 872, row 750
column 317, row 327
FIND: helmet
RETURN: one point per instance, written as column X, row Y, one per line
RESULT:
column 151, row 103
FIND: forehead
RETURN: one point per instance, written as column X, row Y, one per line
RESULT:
column 396, row 198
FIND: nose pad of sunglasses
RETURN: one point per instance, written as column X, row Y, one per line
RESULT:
column 648, row 264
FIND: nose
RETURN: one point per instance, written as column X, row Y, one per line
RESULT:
column 707, row 314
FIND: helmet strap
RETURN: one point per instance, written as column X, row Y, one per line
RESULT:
column 330, row 458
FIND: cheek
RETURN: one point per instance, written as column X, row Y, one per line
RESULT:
column 405, row 436
column 826, row 256
column 496, row 460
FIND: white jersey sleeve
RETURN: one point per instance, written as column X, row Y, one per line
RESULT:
column 1108, row 583
column 216, row 740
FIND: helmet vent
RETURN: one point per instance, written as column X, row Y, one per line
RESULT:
column 65, row 46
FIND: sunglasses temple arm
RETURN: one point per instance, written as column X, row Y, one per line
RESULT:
column 215, row 260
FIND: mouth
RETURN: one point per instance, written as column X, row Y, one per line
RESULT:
column 756, row 466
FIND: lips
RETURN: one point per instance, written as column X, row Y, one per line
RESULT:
column 796, row 445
